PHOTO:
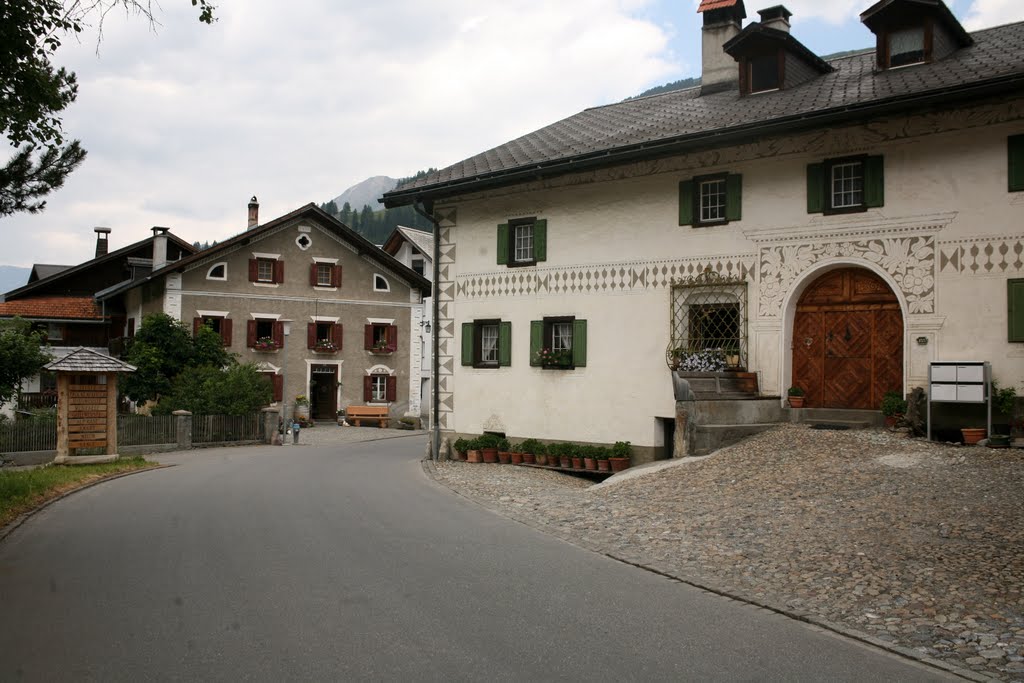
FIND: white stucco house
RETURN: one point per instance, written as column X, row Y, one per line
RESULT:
column 834, row 225
column 415, row 249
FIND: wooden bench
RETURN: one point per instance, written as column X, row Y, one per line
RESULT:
column 353, row 415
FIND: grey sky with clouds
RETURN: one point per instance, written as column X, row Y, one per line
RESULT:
column 296, row 101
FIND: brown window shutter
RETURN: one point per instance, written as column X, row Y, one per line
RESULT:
column 336, row 335
column 392, row 337
column 250, row 333
column 336, row 276
column 278, row 387
column 279, row 334
column 278, row 271
column 310, row 335
column 367, row 388
column 254, row 270
column 196, row 324
column 368, row 337
column 392, row 389
column 312, row 275
column 225, row 331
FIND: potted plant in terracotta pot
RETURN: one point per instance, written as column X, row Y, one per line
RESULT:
column 489, row 447
column 577, row 456
column 894, row 407
column 972, row 435
column 473, row 451
column 602, row 460
column 540, row 451
column 504, row 456
column 621, row 454
column 796, row 397
column 529, row 448
column 590, row 457
column 517, row 454
column 459, row 448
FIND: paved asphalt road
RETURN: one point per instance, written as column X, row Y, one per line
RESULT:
column 347, row 563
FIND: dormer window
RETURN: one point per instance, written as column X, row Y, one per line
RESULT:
column 914, row 32
column 763, row 73
column 906, row 46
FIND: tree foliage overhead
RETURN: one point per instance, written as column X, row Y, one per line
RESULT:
column 22, row 355
column 34, row 93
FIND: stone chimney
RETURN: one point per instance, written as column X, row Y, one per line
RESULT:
column 776, row 17
column 102, row 241
column 159, row 247
column 254, row 213
column 722, row 22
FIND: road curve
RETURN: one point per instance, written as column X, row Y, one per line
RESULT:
column 347, row 563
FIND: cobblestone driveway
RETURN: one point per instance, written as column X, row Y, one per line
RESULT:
column 919, row 545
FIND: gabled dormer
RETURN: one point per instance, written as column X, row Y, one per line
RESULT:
column 770, row 58
column 914, row 32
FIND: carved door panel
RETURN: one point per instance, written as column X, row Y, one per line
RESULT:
column 848, row 341
column 848, row 359
column 888, row 354
column 809, row 355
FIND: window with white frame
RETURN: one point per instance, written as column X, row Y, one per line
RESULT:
column 264, row 270
column 218, row 271
column 379, row 388
column 847, row 185
column 381, row 284
column 523, row 242
column 712, row 200
column 561, row 336
column 324, row 275
column 489, row 343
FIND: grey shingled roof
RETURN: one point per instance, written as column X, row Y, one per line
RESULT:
column 87, row 360
column 422, row 240
column 684, row 120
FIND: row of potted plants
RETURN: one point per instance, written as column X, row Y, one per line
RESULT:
column 491, row 448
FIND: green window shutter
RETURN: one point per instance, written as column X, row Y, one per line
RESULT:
column 1015, row 146
column 504, row 344
column 579, row 343
column 874, row 182
column 815, row 188
column 686, row 202
column 536, row 340
column 467, row 343
column 1015, row 301
column 540, row 240
column 503, row 244
column 734, row 197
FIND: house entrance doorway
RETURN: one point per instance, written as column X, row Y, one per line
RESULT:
column 324, row 392
column 848, row 341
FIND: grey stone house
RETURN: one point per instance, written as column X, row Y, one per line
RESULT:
column 322, row 311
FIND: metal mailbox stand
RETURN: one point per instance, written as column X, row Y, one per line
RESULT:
column 959, row 382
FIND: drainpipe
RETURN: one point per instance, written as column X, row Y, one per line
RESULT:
column 427, row 211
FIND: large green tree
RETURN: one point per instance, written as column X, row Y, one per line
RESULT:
column 34, row 93
column 161, row 350
column 238, row 389
column 22, row 355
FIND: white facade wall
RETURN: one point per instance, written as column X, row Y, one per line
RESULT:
column 948, row 238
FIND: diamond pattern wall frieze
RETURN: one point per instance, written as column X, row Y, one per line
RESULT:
column 597, row 279
column 982, row 256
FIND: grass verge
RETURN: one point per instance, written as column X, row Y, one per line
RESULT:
column 24, row 490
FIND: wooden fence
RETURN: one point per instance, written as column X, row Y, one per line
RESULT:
column 226, row 428
column 143, row 430
column 136, row 430
column 28, row 435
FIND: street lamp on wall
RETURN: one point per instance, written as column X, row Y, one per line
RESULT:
column 425, row 324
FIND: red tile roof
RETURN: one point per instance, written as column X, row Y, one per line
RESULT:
column 706, row 5
column 56, row 307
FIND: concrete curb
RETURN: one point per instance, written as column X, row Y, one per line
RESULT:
column 430, row 470
column 24, row 517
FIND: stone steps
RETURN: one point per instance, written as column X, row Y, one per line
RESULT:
column 854, row 419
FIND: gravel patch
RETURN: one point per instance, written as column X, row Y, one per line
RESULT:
column 916, row 544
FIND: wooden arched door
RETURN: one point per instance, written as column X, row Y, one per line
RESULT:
column 848, row 341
